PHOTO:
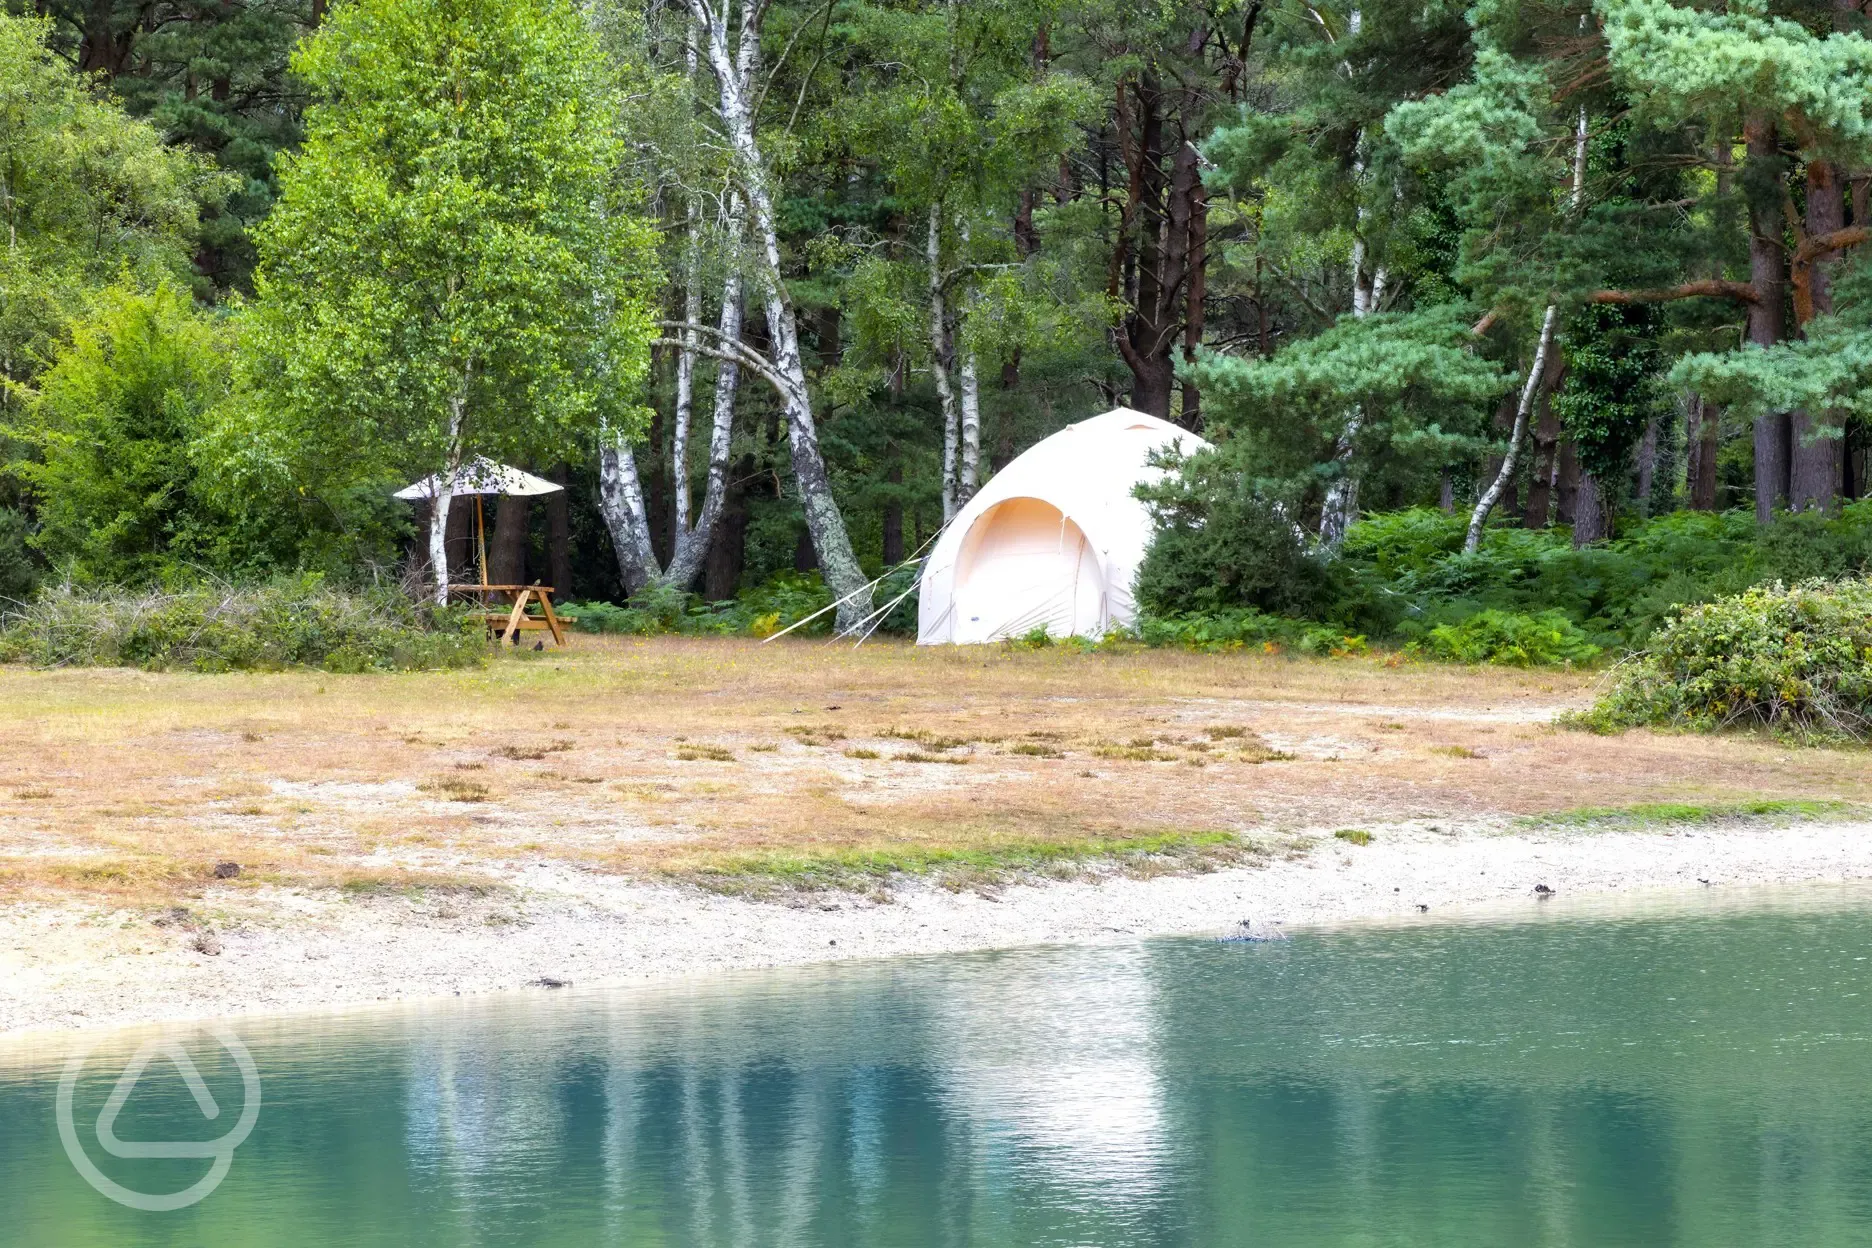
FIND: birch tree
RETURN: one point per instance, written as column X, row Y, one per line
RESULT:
column 731, row 51
column 453, row 268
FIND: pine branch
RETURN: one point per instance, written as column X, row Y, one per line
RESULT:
column 1712, row 288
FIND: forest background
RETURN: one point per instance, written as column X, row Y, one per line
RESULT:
column 1516, row 325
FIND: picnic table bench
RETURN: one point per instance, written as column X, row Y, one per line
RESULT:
column 511, row 618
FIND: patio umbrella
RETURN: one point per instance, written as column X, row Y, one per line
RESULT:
column 479, row 476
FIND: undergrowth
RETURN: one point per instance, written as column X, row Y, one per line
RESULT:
column 294, row 622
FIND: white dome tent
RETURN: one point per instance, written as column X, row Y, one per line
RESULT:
column 1053, row 540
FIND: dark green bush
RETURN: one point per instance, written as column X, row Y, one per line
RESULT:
column 299, row 622
column 1222, row 546
column 1795, row 661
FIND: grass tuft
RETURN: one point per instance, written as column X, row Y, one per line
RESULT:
column 1355, row 836
column 704, row 753
column 775, row 873
column 1658, row 814
column 455, row 789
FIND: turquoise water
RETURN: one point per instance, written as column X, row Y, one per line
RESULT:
column 1691, row 1076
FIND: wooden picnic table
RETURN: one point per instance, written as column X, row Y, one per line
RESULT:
column 510, row 623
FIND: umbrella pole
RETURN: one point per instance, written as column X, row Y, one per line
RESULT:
column 481, row 538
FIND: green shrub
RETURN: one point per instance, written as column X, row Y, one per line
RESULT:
column 1504, row 637
column 1222, row 546
column 1796, row 661
column 299, row 622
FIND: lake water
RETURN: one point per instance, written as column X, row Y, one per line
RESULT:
column 1692, row 1074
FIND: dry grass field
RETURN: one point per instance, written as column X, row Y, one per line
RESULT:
column 722, row 759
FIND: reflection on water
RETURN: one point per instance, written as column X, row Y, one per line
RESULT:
column 1696, row 1077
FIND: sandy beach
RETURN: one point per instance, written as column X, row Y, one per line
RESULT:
column 66, row 966
column 647, row 808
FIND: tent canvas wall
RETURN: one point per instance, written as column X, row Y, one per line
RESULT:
column 1053, row 540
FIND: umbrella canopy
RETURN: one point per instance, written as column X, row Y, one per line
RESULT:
column 480, row 475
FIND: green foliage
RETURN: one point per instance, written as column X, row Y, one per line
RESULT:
column 1404, row 573
column 1794, row 661
column 1612, row 362
column 1224, row 629
column 117, row 460
column 88, row 195
column 210, row 75
column 117, row 416
column 1222, row 544
column 453, row 266
column 298, row 622
column 1549, row 639
column 19, row 571
column 1828, row 369
column 782, row 600
column 1399, row 389
column 1526, row 597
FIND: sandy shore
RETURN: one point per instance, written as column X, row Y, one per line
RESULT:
column 63, row 968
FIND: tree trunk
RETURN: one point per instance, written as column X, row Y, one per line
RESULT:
column 1702, row 437
column 441, row 512
column 1537, row 371
column 1530, row 389
column 1647, row 465
column 968, row 465
column 1766, row 320
column 1161, row 232
column 1195, row 315
column 1567, row 483
column 620, row 490
column 1546, row 454
column 893, row 519
column 559, row 535
column 728, row 551
column 439, row 507
column 734, row 76
column 693, row 540
column 941, row 349
column 507, row 552
column 1591, row 522
column 1815, row 449
column 621, row 503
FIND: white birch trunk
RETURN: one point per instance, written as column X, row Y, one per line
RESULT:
column 1536, row 371
column 733, row 75
column 621, row 502
column 692, row 542
column 1340, row 506
column 439, row 505
column 968, row 469
column 939, row 368
column 685, row 381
